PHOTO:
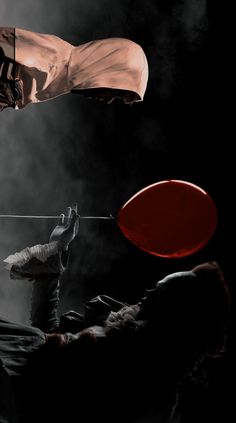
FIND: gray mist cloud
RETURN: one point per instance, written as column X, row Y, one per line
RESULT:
column 71, row 149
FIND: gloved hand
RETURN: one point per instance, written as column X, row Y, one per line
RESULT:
column 67, row 228
column 34, row 262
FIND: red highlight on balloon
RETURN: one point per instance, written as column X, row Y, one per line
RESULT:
column 171, row 219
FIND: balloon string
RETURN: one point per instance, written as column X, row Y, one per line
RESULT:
column 17, row 216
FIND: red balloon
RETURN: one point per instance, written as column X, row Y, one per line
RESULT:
column 169, row 219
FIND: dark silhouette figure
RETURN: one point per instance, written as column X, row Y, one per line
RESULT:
column 117, row 362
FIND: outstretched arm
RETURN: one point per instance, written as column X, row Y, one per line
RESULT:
column 46, row 265
column 44, row 302
column 45, row 296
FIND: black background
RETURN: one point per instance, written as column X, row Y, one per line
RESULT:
column 74, row 149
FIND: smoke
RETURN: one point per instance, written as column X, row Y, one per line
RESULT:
column 71, row 149
column 193, row 16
